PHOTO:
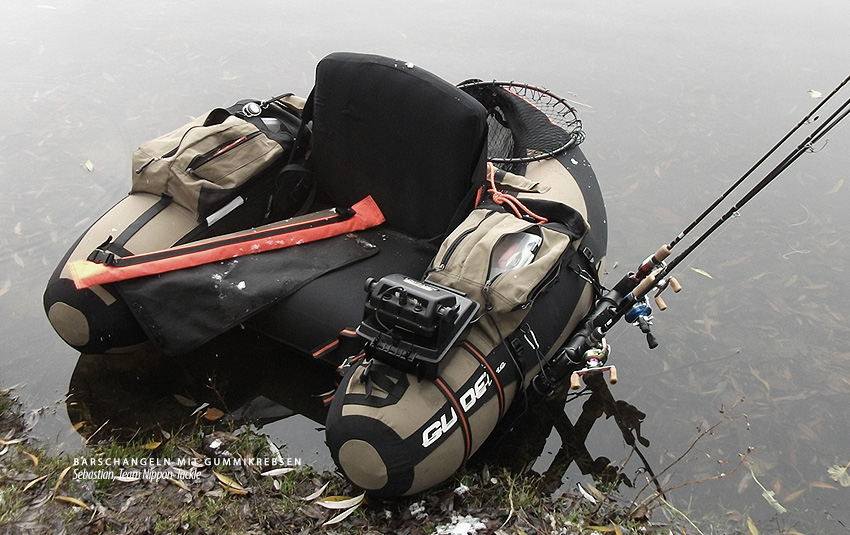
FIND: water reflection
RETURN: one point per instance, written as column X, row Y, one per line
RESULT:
column 251, row 378
column 258, row 382
column 521, row 445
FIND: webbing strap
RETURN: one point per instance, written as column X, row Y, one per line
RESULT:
column 106, row 252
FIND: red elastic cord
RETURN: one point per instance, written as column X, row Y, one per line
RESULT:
column 509, row 200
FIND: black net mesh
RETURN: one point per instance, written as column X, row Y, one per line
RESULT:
column 525, row 123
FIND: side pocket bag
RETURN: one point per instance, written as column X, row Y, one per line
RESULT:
column 502, row 262
column 202, row 164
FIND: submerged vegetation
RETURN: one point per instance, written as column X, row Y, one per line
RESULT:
column 210, row 478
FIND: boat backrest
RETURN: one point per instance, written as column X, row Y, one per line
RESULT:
column 389, row 129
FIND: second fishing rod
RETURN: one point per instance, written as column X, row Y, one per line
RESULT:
column 586, row 350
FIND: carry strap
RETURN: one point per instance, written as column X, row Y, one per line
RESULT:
column 106, row 252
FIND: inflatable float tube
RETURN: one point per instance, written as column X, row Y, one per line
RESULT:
column 480, row 258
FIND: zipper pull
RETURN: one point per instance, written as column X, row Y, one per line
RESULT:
column 142, row 168
column 485, row 291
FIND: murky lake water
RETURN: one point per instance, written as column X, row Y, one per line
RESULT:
column 679, row 99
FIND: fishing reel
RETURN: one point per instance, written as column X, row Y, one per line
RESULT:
column 594, row 362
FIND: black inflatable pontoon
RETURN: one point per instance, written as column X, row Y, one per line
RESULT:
column 474, row 273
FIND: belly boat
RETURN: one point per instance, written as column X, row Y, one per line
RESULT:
column 468, row 213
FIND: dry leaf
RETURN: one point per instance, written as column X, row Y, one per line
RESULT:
column 230, row 485
column 74, row 501
column 61, row 477
column 277, row 472
column 315, row 494
column 734, row 515
column 33, row 458
column 212, row 414
column 586, row 494
column 340, row 502
column 151, row 445
column 178, row 483
column 751, row 526
column 34, row 482
column 702, row 272
column 89, row 166
column 839, row 473
column 794, row 495
column 596, row 492
column 340, row 517
column 830, row 192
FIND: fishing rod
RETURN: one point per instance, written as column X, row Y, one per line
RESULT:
column 586, row 351
column 805, row 120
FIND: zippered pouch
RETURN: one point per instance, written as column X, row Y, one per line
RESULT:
column 502, row 262
column 202, row 164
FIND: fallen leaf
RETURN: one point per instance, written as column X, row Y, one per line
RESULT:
column 178, row 483
column 641, row 514
column 315, row 494
column 230, row 485
column 596, row 492
column 761, row 379
column 702, row 272
column 734, row 515
column 34, row 482
column 839, row 473
column 277, row 472
column 89, row 166
column 586, row 494
column 822, row 485
column 751, row 526
column 33, row 458
column 835, row 188
column 340, row 517
column 151, row 445
column 212, row 414
column 18, row 228
column 61, row 477
column 340, row 502
column 74, row 501
column 794, row 495
column 814, row 93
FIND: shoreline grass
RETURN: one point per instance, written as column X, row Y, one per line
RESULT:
column 206, row 478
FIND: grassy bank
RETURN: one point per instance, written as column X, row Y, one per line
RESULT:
column 207, row 478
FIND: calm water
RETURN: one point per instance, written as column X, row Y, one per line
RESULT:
column 678, row 99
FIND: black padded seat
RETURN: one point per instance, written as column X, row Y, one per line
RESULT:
column 411, row 140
